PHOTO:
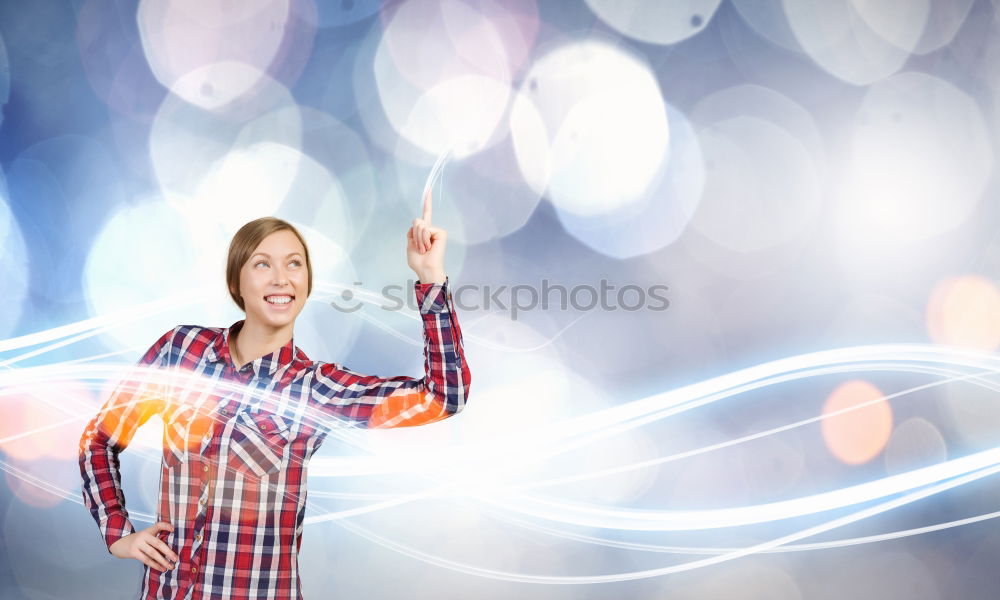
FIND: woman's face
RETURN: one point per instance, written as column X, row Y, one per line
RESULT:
column 275, row 280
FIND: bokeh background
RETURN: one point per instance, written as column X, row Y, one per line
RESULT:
column 802, row 176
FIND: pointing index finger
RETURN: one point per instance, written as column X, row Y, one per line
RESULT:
column 427, row 206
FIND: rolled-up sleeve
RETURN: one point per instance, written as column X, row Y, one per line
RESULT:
column 401, row 401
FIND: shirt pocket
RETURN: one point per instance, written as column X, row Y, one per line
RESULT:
column 177, row 435
column 258, row 444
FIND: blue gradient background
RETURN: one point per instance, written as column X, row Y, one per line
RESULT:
column 802, row 176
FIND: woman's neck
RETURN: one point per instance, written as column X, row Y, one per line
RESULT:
column 254, row 340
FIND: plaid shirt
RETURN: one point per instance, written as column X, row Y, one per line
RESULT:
column 236, row 446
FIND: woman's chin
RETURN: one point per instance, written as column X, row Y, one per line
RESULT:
column 277, row 318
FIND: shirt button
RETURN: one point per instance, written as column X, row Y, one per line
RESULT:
column 197, row 538
column 205, row 468
column 194, row 569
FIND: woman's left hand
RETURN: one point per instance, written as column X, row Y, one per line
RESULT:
column 425, row 247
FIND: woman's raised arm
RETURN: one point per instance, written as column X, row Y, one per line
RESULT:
column 401, row 401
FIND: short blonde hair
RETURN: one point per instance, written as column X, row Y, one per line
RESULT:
column 246, row 241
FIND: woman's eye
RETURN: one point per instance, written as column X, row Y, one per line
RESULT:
column 297, row 263
column 260, row 262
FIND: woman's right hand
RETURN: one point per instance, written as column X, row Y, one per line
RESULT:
column 144, row 546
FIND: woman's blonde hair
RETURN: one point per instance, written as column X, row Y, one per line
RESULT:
column 246, row 241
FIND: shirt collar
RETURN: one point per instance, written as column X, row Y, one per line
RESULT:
column 218, row 351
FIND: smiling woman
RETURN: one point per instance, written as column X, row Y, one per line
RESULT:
column 234, row 463
column 272, row 291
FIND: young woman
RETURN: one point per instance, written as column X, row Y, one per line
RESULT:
column 244, row 409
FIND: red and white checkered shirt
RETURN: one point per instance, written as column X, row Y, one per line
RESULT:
column 236, row 446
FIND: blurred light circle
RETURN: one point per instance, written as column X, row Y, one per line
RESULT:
column 595, row 134
column 529, row 136
column 762, row 48
column 856, row 436
column 665, row 208
column 839, row 41
column 198, row 42
column 443, row 76
column 275, row 180
column 427, row 42
column 942, row 23
column 460, row 114
column 656, row 22
column 896, row 23
column 146, row 252
column 246, row 183
column 915, row 443
column 767, row 18
column 581, row 143
column 965, row 311
column 899, row 23
column 762, row 187
column 516, row 23
column 215, row 85
column 920, row 160
column 749, row 100
column 186, row 141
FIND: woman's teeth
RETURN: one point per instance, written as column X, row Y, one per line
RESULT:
column 278, row 299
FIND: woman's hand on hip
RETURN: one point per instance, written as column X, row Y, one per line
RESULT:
column 145, row 547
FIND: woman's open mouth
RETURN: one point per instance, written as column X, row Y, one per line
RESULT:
column 279, row 301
